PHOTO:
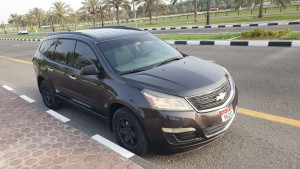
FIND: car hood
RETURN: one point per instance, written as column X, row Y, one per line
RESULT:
column 186, row 77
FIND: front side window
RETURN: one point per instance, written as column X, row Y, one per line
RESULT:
column 84, row 56
column 64, row 51
column 137, row 53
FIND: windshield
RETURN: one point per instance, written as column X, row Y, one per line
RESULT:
column 137, row 53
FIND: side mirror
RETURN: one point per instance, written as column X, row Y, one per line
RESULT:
column 89, row 70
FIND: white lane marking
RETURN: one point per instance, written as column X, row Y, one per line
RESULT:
column 222, row 43
column 7, row 88
column 258, row 43
column 27, row 98
column 16, row 45
column 58, row 116
column 193, row 42
column 125, row 153
column 171, row 42
column 296, row 44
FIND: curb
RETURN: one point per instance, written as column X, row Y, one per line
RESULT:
column 23, row 39
column 238, row 43
column 114, row 147
column 226, row 26
column 217, row 42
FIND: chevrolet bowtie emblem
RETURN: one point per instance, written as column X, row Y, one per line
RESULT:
column 221, row 97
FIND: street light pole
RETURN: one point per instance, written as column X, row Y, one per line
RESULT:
column 134, row 14
column 207, row 15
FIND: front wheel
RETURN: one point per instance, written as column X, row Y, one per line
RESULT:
column 129, row 131
column 48, row 97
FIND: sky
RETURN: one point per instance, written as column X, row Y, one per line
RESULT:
column 21, row 7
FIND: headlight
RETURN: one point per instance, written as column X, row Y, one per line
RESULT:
column 161, row 101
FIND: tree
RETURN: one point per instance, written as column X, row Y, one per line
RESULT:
column 195, row 8
column 152, row 6
column 13, row 19
column 92, row 7
column 60, row 10
column 250, row 3
column 74, row 18
column 38, row 15
column 117, row 4
column 29, row 20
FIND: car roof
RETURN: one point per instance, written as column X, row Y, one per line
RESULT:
column 104, row 34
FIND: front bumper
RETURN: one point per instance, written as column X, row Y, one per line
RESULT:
column 179, row 131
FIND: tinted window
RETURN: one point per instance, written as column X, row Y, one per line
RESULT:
column 64, row 51
column 47, row 48
column 84, row 56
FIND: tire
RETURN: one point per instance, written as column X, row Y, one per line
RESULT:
column 49, row 99
column 129, row 131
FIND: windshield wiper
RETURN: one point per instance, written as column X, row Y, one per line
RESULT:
column 134, row 71
column 167, row 61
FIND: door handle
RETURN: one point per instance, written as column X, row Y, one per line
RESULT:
column 72, row 77
column 50, row 69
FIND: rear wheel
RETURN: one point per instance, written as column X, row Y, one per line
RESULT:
column 49, row 99
column 129, row 131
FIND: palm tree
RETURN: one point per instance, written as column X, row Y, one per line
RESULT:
column 152, row 6
column 92, row 7
column 13, row 19
column 74, row 18
column 60, row 10
column 117, row 4
column 29, row 20
column 38, row 15
column 261, row 2
column 195, row 8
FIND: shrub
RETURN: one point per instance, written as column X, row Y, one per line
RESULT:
column 264, row 34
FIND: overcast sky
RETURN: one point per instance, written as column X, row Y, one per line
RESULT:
column 23, row 6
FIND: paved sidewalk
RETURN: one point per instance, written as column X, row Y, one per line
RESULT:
column 31, row 138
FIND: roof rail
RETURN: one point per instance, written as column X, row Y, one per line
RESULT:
column 73, row 33
column 119, row 27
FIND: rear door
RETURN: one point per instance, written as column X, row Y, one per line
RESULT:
column 60, row 66
column 89, row 90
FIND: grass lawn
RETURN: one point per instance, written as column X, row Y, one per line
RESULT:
column 291, row 36
column 216, row 36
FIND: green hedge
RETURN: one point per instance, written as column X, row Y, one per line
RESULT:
column 264, row 34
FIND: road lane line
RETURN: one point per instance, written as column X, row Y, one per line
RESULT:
column 58, row 116
column 270, row 117
column 7, row 88
column 27, row 98
column 125, row 153
column 16, row 60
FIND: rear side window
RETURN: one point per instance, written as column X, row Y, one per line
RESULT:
column 64, row 51
column 47, row 48
column 84, row 56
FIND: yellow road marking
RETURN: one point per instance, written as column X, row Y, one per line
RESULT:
column 270, row 117
column 265, row 116
column 16, row 60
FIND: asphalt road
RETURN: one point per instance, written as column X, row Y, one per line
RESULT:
column 223, row 30
column 268, row 80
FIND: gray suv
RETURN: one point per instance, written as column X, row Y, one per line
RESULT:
column 153, row 96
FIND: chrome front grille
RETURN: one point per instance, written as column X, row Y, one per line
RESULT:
column 209, row 100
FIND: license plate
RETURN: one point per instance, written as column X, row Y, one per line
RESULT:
column 227, row 113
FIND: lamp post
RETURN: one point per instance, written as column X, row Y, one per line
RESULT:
column 134, row 14
column 207, row 15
